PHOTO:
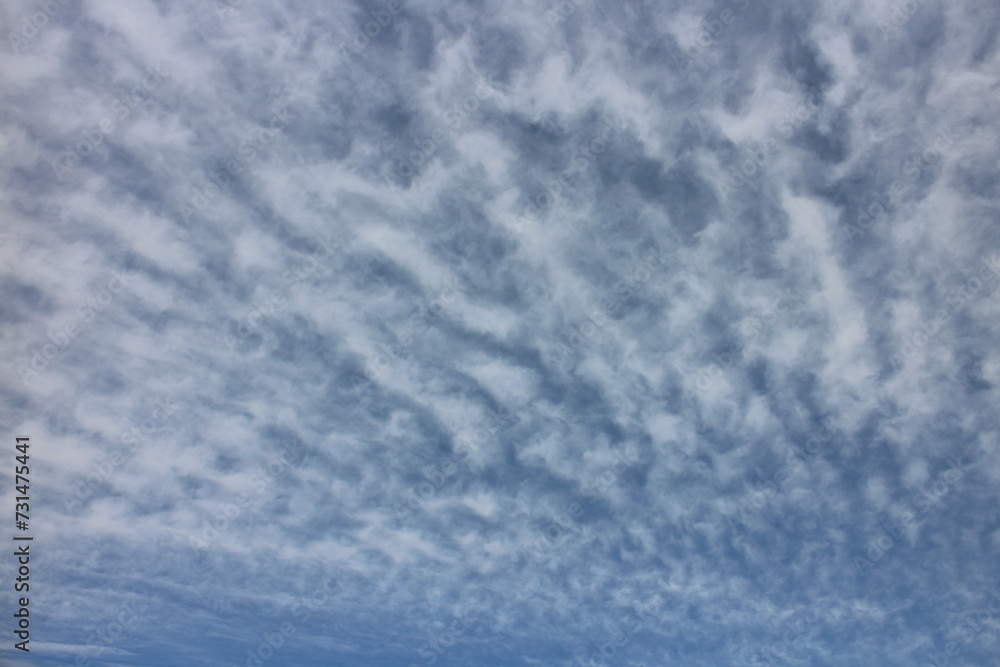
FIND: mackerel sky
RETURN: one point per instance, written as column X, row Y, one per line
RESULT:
column 527, row 333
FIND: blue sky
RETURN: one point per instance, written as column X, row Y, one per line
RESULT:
column 503, row 334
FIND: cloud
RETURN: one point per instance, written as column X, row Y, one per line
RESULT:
column 554, row 332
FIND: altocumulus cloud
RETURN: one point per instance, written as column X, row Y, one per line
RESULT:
column 503, row 333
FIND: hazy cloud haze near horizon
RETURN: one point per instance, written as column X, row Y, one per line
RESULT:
column 491, row 334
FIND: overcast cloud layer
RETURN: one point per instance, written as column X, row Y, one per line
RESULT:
column 503, row 333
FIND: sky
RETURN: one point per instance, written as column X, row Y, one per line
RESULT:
column 530, row 333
